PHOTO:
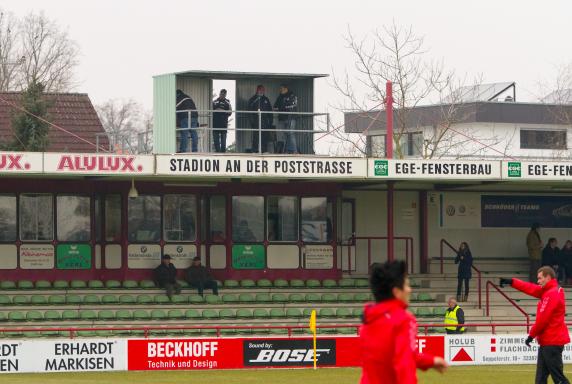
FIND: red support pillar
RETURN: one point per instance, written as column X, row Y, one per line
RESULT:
column 389, row 155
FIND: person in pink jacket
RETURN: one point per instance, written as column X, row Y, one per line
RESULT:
column 550, row 328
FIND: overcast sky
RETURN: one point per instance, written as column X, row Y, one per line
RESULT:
column 125, row 42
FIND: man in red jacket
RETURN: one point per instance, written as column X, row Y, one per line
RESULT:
column 550, row 328
column 387, row 336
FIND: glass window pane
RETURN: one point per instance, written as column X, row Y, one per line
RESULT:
column 144, row 219
column 113, row 218
column 248, row 219
column 36, row 217
column 282, row 218
column 97, row 217
column 217, row 218
column 73, row 218
column 316, row 220
column 7, row 218
column 179, row 217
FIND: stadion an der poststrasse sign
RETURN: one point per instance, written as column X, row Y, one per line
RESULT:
column 107, row 164
column 434, row 169
column 21, row 162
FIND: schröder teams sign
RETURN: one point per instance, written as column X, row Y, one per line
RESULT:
column 434, row 169
column 256, row 166
column 530, row 170
column 98, row 164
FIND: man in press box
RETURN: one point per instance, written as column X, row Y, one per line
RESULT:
column 221, row 113
column 287, row 102
column 186, row 106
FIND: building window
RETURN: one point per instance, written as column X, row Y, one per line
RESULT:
column 248, row 219
column 179, row 217
column 542, row 139
column 144, row 219
column 36, row 217
column 217, row 218
column 316, row 220
column 113, row 218
column 8, row 218
column 282, row 218
column 411, row 144
column 73, row 221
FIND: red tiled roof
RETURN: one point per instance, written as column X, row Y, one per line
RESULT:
column 70, row 111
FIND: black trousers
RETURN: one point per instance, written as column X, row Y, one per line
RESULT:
column 219, row 137
column 170, row 288
column 550, row 363
column 209, row 284
column 460, row 285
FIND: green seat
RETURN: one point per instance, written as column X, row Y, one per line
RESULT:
column 175, row 314
column 21, row 300
column 244, row 314
column 86, row 334
column 264, row 283
column 313, row 283
column 228, row 331
column 2, row 318
column 196, row 299
column 112, row 284
column 210, row 314
column 362, row 283
column 208, row 332
column 183, row 283
column 347, row 283
column 25, row 284
column 313, row 297
column 55, row 333
column 73, row 299
column 357, row 312
column 226, row 314
column 158, row 314
column 277, row 313
column 144, row 299
column 91, row 300
column 13, row 334
column 78, row 284
column 87, row 314
column 158, row 332
column 38, row 300
column 231, row 284
column 307, row 312
column 423, row 312
column 127, row 299
column 5, row 300
column 343, row 312
column 329, row 283
column 297, row 283
column 109, row 299
column 130, row 284
column 345, row 297
column 230, row 299
column 141, row 314
column 327, row 330
column 263, row 298
column 161, row 299
column 95, row 284
column 361, row 297
column 180, row 299
column 123, row 315
column 439, row 311
column 248, row 283
column 106, row 315
column 260, row 313
column 192, row 314
column 69, row 314
column 31, row 334
column 246, row 298
column 43, row 284
column 281, row 283
column 423, row 296
column 326, row 312
column 414, row 283
column 279, row 298
column 6, row 284
column 346, row 331
column 296, row 298
column 57, row 300
column 193, row 332
column 34, row 316
column 122, row 332
column 212, row 299
column 147, row 284
column 52, row 315
column 294, row 313
column 329, row 298
column 60, row 284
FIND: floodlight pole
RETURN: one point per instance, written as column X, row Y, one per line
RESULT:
column 389, row 155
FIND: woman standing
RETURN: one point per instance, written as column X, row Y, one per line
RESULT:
column 465, row 261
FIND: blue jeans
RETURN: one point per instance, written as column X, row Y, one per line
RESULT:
column 288, row 127
column 184, row 142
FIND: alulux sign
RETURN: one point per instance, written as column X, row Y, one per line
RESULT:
column 101, row 164
column 28, row 162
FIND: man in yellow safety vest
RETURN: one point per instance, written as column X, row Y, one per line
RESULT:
column 454, row 317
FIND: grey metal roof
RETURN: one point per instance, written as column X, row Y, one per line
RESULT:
column 477, row 112
column 478, row 92
column 232, row 75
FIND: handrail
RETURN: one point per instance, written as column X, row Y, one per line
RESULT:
column 409, row 254
column 479, row 284
column 526, row 315
column 493, row 326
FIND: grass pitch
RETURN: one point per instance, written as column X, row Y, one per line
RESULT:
column 505, row 374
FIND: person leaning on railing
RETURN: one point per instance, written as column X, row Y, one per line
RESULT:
column 185, row 104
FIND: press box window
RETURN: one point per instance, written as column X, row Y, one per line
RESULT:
column 542, row 139
column 8, row 218
column 316, row 220
column 73, row 222
column 282, row 218
column 144, row 219
column 248, row 219
column 217, row 218
column 113, row 218
column 179, row 217
column 36, row 217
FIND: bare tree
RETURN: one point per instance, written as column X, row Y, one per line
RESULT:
column 9, row 58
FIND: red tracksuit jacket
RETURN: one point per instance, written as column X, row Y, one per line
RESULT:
column 387, row 337
column 549, row 328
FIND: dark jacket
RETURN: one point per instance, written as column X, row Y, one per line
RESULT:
column 196, row 274
column 465, row 264
column 287, row 102
column 263, row 103
column 164, row 274
column 185, row 103
column 566, row 260
column 220, row 119
column 550, row 256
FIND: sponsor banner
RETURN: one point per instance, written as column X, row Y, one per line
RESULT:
column 82, row 163
column 460, row 210
column 73, row 256
column 529, row 170
column 288, row 353
column 434, row 345
column 520, row 211
column 434, row 169
column 318, row 257
column 248, row 257
column 21, row 162
column 181, row 254
column 37, row 256
column 257, row 166
column 63, row 356
column 143, row 256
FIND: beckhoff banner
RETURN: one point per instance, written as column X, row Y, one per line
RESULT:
column 434, row 169
column 522, row 211
column 98, row 164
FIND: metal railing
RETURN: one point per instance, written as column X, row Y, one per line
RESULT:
column 352, row 242
column 494, row 326
column 514, row 304
column 479, row 284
